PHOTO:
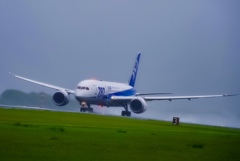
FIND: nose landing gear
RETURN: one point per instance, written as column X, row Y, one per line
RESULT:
column 85, row 107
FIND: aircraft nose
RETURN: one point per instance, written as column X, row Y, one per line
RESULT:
column 79, row 93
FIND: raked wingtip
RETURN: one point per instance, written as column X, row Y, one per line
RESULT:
column 12, row 74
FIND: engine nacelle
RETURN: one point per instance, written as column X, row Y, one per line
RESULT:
column 138, row 105
column 60, row 98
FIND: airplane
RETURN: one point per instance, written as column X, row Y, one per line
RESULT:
column 111, row 94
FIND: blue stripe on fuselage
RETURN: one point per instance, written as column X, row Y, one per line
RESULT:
column 129, row 92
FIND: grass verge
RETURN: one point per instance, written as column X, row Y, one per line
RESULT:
column 47, row 135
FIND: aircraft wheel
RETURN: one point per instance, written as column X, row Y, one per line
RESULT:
column 82, row 109
column 128, row 113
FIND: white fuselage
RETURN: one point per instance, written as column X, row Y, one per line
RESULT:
column 95, row 92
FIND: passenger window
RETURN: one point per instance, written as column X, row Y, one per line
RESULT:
column 87, row 88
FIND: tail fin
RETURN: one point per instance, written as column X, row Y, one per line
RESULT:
column 134, row 72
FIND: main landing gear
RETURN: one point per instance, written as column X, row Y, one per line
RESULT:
column 126, row 112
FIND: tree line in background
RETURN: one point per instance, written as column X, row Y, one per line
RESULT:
column 33, row 99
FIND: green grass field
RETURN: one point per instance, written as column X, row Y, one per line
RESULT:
column 47, row 135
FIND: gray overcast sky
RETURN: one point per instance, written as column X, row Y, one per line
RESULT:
column 188, row 47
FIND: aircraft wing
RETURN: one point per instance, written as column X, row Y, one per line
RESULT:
column 186, row 97
column 44, row 84
column 169, row 98
column 144, row 94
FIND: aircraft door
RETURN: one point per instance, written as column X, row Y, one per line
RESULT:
column 95, row 89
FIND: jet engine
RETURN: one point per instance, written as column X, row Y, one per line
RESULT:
column 138, row 105
column 60, row 98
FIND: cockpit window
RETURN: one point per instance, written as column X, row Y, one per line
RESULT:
column 81, row 87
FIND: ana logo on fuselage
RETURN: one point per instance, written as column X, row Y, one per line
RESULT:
column 101, row 92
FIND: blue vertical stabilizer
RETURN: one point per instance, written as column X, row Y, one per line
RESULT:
column 134, row 72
